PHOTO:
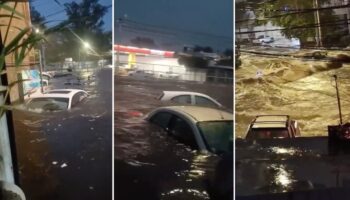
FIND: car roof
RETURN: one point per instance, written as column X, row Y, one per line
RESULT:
column 182, row 92
column 199, row 114
column 270, row 121
column 168, row 95
column 58, row 95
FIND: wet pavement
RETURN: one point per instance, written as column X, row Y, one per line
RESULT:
column 67, row 154
column 148, row 163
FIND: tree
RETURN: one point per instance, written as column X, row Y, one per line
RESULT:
column 297, row 17
column 84, row 23
column 144, row 42
column 37, row 19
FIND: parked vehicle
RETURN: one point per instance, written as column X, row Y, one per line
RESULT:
column 272, row 126
column 201, row 128
column 266, row 39
column 140, row 74
column 58, row 99
column 168, row 75
column 193, row 98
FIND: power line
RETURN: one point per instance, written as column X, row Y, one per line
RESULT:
column 177, row 30
column 299, row 11
column 305, row 26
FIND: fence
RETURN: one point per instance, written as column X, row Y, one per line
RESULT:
column 182, row 73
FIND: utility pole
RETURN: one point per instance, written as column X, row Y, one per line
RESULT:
column 338, row 98
column 41, row 60
column 318, row 25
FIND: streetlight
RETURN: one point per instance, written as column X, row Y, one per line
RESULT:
column 41, row 60
column 86, row 45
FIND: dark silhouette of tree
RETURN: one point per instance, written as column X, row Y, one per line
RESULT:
column 37, row 19
column 197, row 62
column 208, row 49
column 84, row 21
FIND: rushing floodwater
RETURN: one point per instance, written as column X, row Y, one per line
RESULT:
column 303, row 89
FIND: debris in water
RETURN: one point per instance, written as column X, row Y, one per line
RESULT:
column 54, row 162
column 64, row 165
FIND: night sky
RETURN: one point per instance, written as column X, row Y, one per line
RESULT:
column 201, row 22
column 52, row 11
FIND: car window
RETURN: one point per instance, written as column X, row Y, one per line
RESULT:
column 264, row 133
column 161, row 119
column 48, row 104
column 182, row 99
column 182, row 131
column 218, row 135
column 202, row 101
column 75, row 100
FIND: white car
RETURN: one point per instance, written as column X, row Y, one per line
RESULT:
column 266, row 39
column 169, row 75
column 193, row 98
column 201, row 128
column 140, row 74
column 58, row 99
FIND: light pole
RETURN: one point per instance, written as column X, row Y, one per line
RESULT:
column 86, row 47
column 41, row 61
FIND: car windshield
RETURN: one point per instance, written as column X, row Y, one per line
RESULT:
column 218, row 135
column 266, row 133
column 48, row 104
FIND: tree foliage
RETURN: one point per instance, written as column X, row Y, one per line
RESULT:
column 84, row 23
column 297, row 19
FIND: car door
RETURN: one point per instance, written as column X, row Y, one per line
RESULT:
column 182, row 131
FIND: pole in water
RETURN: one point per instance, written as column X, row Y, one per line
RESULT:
column 338, row 98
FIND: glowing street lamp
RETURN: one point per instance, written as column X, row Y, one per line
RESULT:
column 86, row 45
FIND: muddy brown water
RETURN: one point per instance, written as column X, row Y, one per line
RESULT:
column 305, row 91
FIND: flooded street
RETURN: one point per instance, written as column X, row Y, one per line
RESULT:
column 305, row 90
column 301, row 88
column 148, row 163
column 67, row 154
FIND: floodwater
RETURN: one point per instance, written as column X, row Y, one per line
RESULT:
column 67, row 154
column 303, row 89
column 151, row 165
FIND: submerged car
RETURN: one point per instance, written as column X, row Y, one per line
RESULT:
column 272, row 126
column 55, row 100
column 201, row 128
column 193, row 98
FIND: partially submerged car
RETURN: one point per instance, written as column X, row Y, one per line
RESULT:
column 272, row 126
column 201, row 128
column 55, row 100
column 193, row 98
